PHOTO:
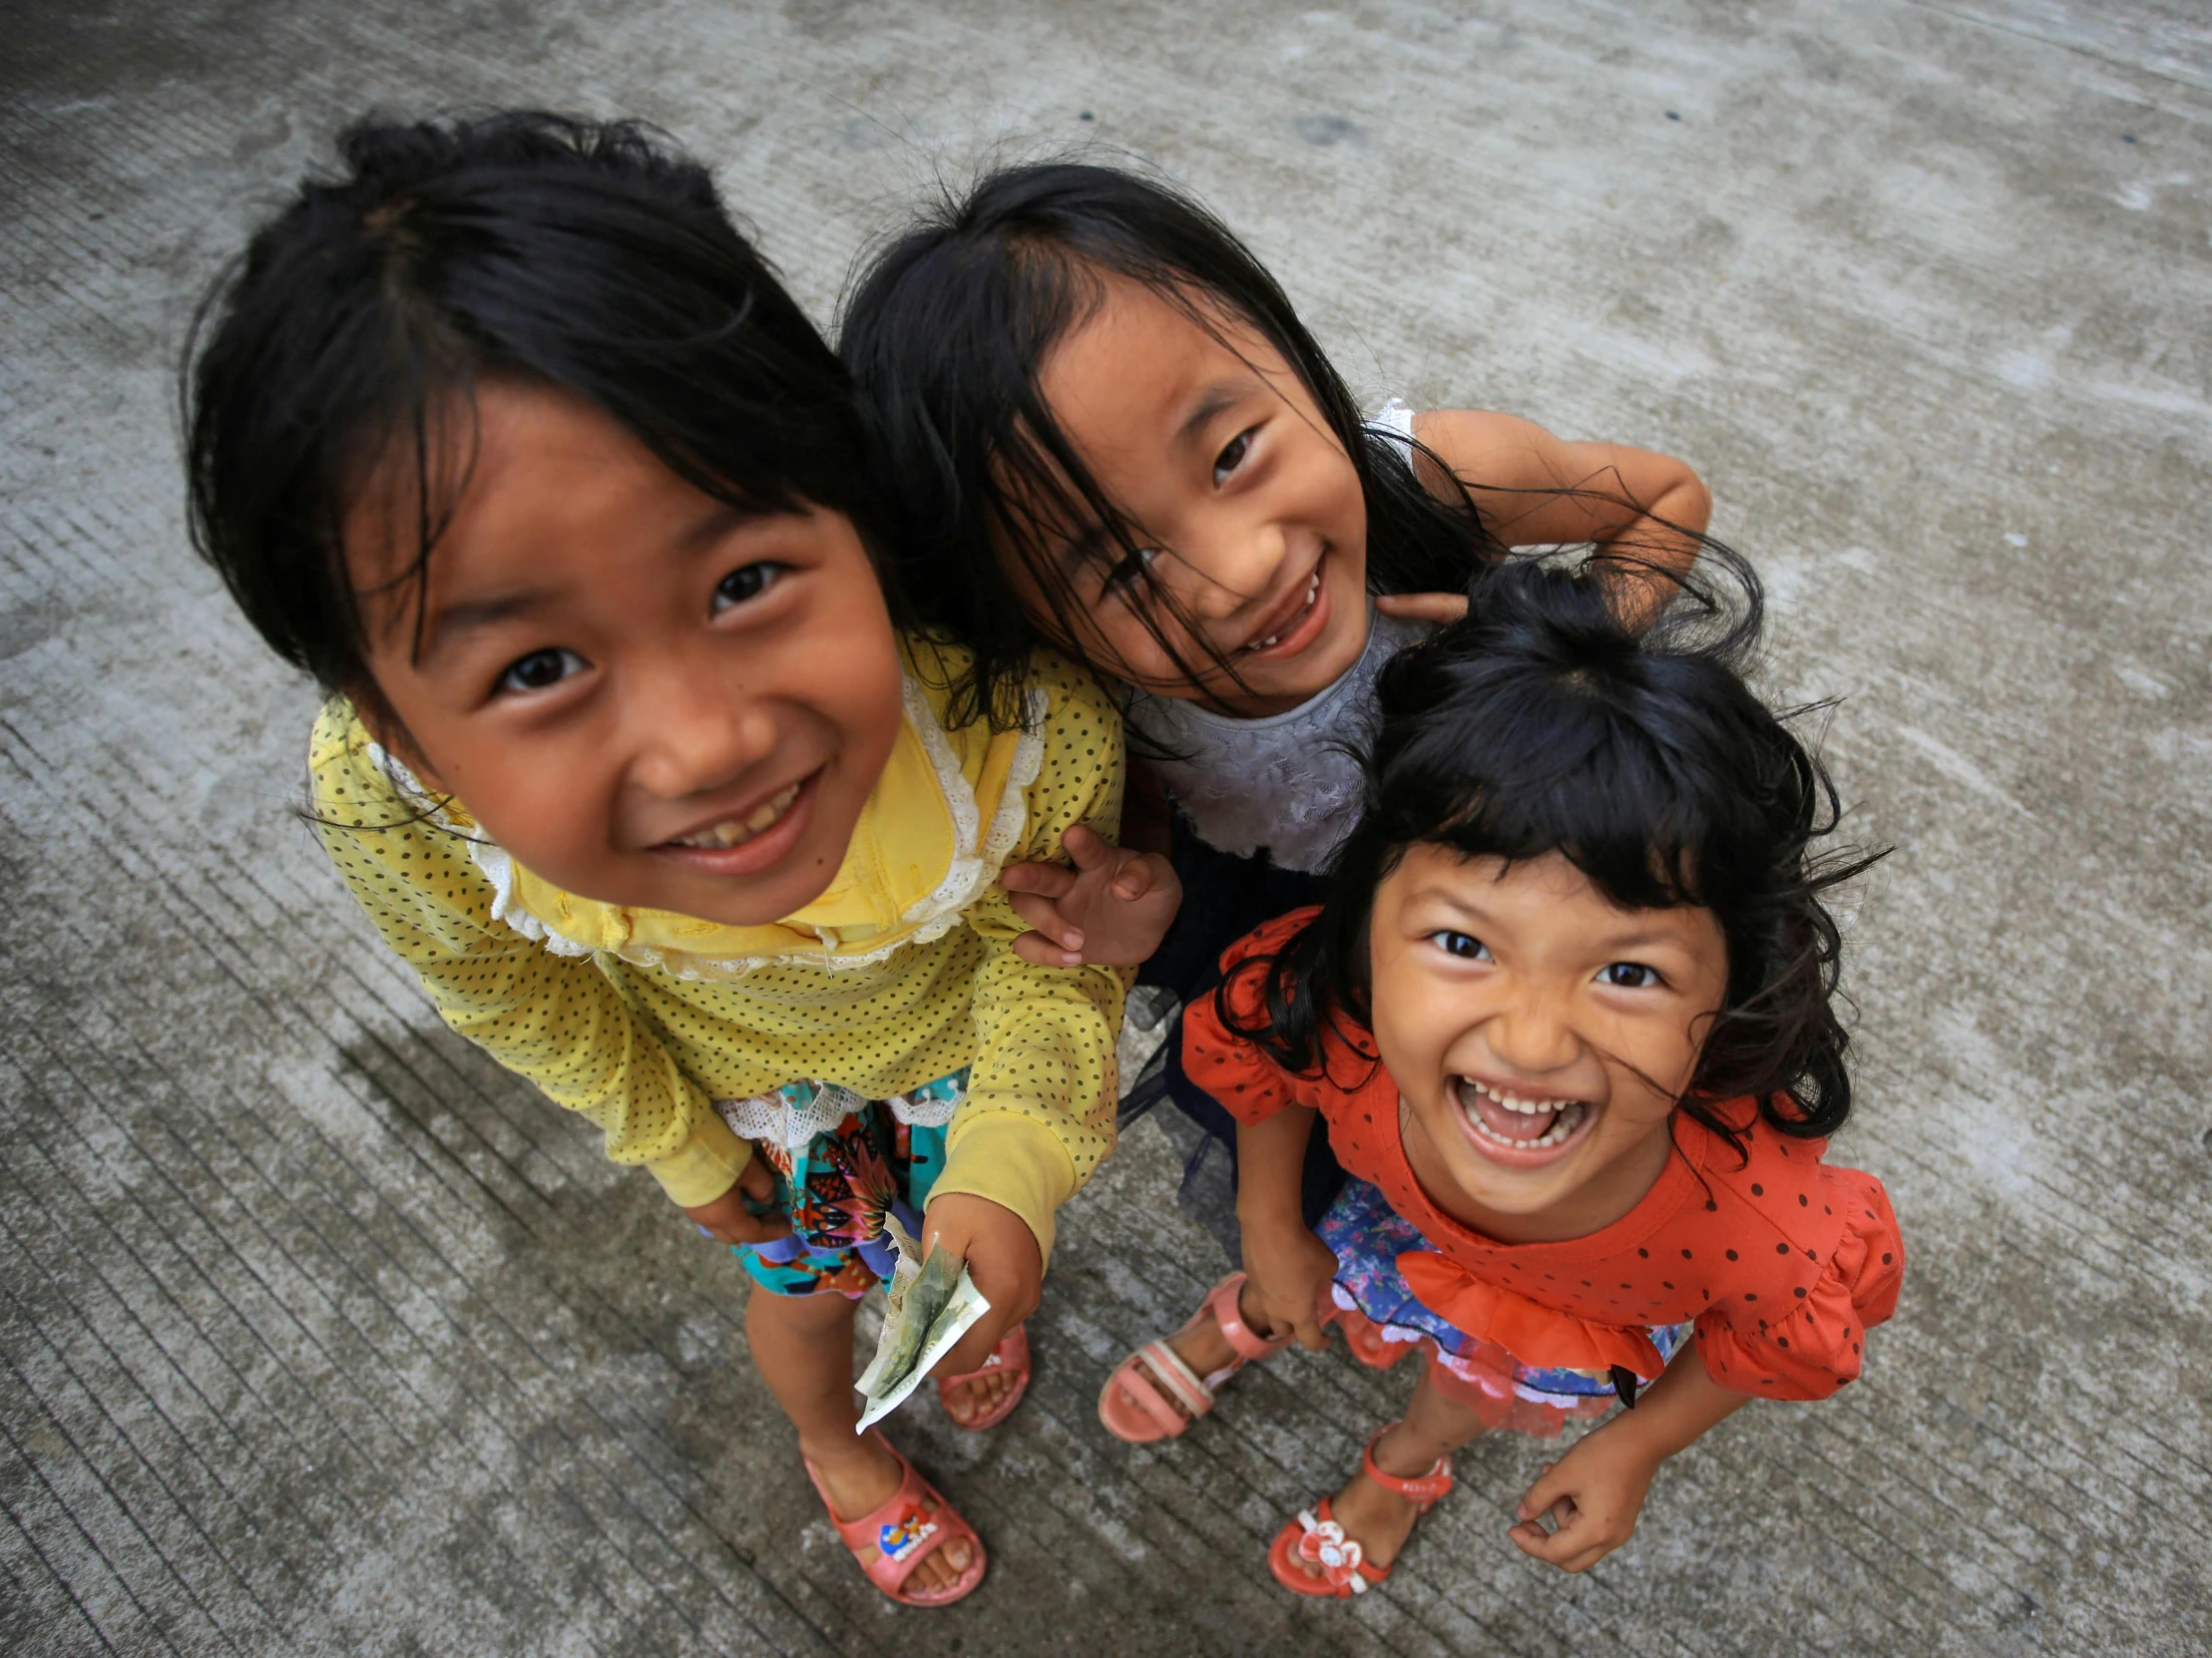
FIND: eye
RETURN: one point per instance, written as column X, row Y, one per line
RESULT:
column 745, row 584
column 1465, row 946
column 539, row 669
column 1233, row 456
column 1629, row 975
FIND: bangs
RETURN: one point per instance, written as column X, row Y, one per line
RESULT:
column 1554, row 769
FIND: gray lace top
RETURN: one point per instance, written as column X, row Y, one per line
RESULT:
column 1288, row 782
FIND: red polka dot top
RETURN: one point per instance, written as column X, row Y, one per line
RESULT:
column 1781, row 1262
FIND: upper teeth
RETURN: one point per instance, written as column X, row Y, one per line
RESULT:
column 734, row 831
column 1313, row 588
column 1514, row 1103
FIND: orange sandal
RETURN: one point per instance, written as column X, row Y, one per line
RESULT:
column 897, row 1536
column 1158, row 1418
column 1012, row 1354
column 1315, row 1537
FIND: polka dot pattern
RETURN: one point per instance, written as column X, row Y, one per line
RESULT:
column 1733, row 1233
column 640, row 1053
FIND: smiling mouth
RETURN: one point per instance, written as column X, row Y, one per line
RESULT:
column 1516, row 1122
column 1289, row 622
column 736, row 831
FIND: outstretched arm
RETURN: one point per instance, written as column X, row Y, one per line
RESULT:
column 1537, row 489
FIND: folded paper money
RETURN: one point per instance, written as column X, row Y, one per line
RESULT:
column 929, row 1306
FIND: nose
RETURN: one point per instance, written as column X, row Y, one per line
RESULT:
column 1229, row 567
column 1533, row 1034
column 691, row 730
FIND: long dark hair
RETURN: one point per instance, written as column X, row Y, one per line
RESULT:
column 593, row 258
column 1543, row 724
column 945, row 335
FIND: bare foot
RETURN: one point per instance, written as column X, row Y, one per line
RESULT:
column 861, row 1475
column 1204, row 1349
column 965, row 1402
column 1379, row 1520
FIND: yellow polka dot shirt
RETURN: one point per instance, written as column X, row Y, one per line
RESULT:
column 638, row 1019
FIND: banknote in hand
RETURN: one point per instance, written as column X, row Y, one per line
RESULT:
column 930, row 1305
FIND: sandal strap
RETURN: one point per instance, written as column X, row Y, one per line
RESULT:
column 1012, row 1352
column 1221, row 1301
column 1422, row 1489
column 897, row 1532
column 1166, row 1365
column 1344, row 1564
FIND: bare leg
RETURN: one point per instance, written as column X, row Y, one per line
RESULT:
column 1381, row 1521
column 802, row 1346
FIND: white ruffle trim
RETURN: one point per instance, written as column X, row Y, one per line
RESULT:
column 973, row 867
column 770, row 1119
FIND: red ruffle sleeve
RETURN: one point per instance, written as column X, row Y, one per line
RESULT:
column 1250, row 1087
column 1819, row 1346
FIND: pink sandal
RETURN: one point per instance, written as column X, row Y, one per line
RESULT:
column 900, row 1536
column 1011, row 1355
column 1159, row 1418
column 1315, row 1537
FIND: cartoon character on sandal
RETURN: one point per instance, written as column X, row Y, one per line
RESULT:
column 914, row 1545
column 1566, row 1017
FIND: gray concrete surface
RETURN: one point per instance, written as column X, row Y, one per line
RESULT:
column 319, row 1334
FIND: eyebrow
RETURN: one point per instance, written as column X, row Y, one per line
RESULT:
column 473, row 615
column 1223, row 394
column 1635, row 939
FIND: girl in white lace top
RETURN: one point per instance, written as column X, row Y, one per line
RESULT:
column 1106, row 430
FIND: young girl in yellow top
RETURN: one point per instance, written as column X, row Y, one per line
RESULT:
column 514, row 443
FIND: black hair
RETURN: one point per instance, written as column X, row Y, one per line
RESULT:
column 945, row 335
column 1543, row 724
column 589, row 256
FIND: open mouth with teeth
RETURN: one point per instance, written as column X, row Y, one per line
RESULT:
column 1293, row 621
column 1519, row 1129
column 736, row 831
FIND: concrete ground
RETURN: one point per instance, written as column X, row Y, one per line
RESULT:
column 317, row 1333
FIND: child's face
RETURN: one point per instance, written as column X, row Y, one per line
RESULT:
column 645, row 697
column 1209, row 440
column 1496, row 986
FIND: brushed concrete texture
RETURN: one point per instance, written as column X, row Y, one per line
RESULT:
column 318, row 1333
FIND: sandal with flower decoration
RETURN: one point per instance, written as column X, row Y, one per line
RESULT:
column 1315, row 1537
column 1010, row 1356
column 1156, row 1416
column 899, row 1533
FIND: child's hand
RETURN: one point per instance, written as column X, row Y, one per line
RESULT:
column 729, row 1219
column 1443, row 609
column 1288, row 1272
column 1592, row 1495
column 1111, row 910
column 1002, row 1259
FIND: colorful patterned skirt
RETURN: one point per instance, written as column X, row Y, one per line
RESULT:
column 1382, row 1322
column 844, row 1166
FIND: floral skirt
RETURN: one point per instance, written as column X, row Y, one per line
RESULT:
column 1382, row 1322
column 844, row 1166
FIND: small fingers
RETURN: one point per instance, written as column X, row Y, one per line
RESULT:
column 1046, row 880
column 757, row 1182
column 1142, row 872
column 1423, row 607
column 1039, row 951
column 1089, row 848
column 1043, row 917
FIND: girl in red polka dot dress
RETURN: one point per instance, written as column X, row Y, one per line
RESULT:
column 1567, row 1020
